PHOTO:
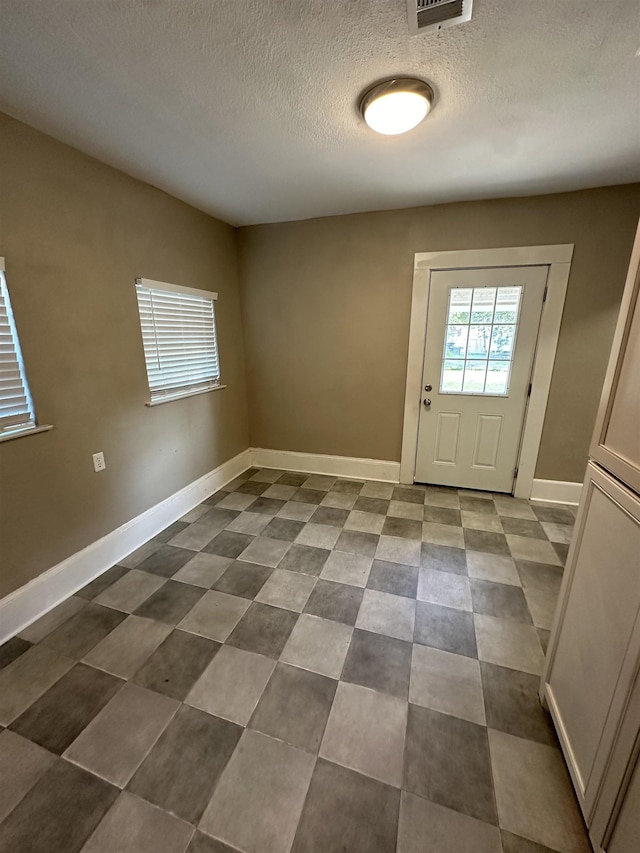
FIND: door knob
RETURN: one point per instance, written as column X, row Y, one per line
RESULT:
column 427, row 402
column 427, row 388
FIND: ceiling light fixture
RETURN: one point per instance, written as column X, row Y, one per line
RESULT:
column 397, row 105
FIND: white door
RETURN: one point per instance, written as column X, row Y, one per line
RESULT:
column 482, row 327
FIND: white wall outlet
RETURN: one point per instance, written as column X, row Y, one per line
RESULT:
column 98, row 461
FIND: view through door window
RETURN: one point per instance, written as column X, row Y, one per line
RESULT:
column 482, row 324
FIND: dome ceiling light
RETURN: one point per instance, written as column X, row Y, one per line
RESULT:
column 397, row 105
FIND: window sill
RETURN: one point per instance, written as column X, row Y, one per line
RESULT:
column 20, row 433
column 182, row 395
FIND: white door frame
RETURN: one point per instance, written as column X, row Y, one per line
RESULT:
column 558, row 259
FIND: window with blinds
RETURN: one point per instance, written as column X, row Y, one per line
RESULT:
column 179, row 336
column 16, row 407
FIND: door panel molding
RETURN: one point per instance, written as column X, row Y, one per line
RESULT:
column 558, row 259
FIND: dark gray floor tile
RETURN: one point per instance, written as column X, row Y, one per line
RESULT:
column 337, row 601
column 544, row 638
column 170, row 603
column 330, row 515
column 216, row 497
column 347, row 487
column 512, row 704
column 523, row 527
column 483, row 505
column 295, row 707
column 283, row 528
column 447, row 761
column 556, row 515
column 515, row 844
column 394, row 578
column 243, row 579
column 102, row 582
column 379, row 662
column 443, row 558
column 305, row 559
column 219, row 517
column 84, row 630
column 357, row 542
column 540, row 576
column 308, row 496
column 561, row 550
column 411, row 496
column 345, row 811
column 483, row 540
column 291, row 479
column 59, row 813
column 263, row 629
column 499, row 599
column 268, row 506
column 445, row 628
column 170, row 531
column 201, row 843
column 177, row 664
column 404, row 527
column 11, row 650
column 181, row 771
column 166, row 561
column 56, row 719
column 375, row 505
column 252, row 487
column 443, row 515
column 228, row 544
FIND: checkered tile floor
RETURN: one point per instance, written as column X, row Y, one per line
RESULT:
column 301, row 663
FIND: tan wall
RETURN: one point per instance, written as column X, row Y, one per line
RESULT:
column 74, row 234
column 326, row 307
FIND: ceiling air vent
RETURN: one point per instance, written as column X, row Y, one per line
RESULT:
column 429, row 15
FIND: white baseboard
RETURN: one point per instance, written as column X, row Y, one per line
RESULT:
column 556, row 491
column 320, row 463
column 31, row 601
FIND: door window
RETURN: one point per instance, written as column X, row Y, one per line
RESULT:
column 482, row 323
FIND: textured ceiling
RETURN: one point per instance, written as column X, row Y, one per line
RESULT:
column 247, row 109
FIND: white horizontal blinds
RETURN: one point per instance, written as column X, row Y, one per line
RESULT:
column 179, row 336
column 16, row 407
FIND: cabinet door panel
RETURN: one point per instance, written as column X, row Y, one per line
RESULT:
column 626, row 835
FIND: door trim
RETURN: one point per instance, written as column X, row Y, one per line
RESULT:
column 558, row 259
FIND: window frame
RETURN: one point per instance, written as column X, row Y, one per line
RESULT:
column 159, row 396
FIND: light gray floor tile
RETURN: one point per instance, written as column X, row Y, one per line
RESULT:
column 203, row 570
column 347, row 568
column 481, row 521
column 537, row 550
column 444, row 588
column 442, row 497
column 237, row 500
column 338, row 500
column 232, row 684
column 447, row 683
column 402, row 509
column 366, row 732
column 135, row 826
column 492, row 567
column 513, row 508
column 280, row 492
column 129, row 592
column 319, row 535
column 442, row 534
column 396, row 550
column 383, row 613
column 27, row 678
column 39, row 629
column 193, row 515
column 267, row 475
column 22, row 763
column 133, row 560
column 319, row 481
column 268, row 781
column 290, row 590
column 265, row 551
column 297, row 511
column 542, row 605
column 374, row 489
column 507, row 643
column 252, row 523
column 127, row 647
column 367, row 522
column 444, row 830
column 558, row 532
column 215, row 615
column 195, row 536
column 116, row 741
column 534, row 793
column 540, row 576
column 319, row 645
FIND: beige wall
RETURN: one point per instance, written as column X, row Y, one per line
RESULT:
column 74, row 234
column 326, row 307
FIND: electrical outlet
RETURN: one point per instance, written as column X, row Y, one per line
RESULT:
column 98, row 462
